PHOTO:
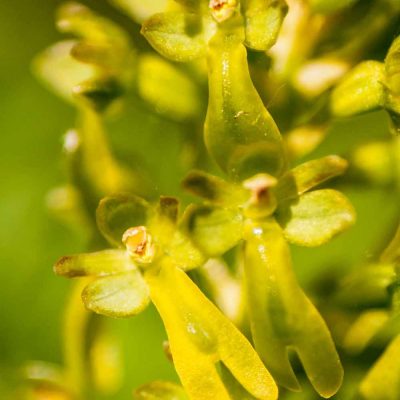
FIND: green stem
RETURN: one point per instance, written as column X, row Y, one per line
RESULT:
column 76, row 320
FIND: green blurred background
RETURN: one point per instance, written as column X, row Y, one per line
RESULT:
column 32, row 123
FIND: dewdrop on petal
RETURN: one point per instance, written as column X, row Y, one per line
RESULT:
column 139, row 244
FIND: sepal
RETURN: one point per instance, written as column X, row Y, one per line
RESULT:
column 361, row 90
column 60, row 71
column 263, row 20
column 106, row 262
column 214, row 230
column 315, row 217
column 157, row 83
column 177, row 36
column 160, row 390
column 306, row 176
column 386, row 369
column 215, row 190
column 118, row 296
column 366, row 287
column 140, row 10
column 115, row 214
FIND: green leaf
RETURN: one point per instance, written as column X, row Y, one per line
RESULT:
column 239, row 132
column 308, row 175
column 215, row 190
column 118, row 296
column 360, row 91
column 263, row 20
column 115, row 214
column 316, row 217
column 101, row 263
column 158, row 81
column 214, row 230
column 140, row 10
column 61, row 72
column 176, row 35
column 160, row 390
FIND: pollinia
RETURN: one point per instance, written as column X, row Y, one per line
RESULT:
column 218, row 266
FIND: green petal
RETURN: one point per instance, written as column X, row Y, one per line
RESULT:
column 316, row 217
column 115, row 214
column 140, row 10
column 367, row 286
column 214, row 230
column 118, row 296
column 282, row 317
column 176, row 35
column 160, row 390
column 329, row 6
column 200, row 336
column 308, row 175
column 239, row 132
column 168, row 207
column 158, row 81
column 392, row 252
column 104, row 262
column 392, row 67
column 375, row 161
column 360, row 91
column 263, row 20
column 383, row 379
column 304, row 139
column 113, row 60
column 215, row 190
column 363, row 329
column 75, row 18
column 98, row 93
column 61, row 72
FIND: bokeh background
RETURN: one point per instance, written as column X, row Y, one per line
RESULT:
column 32, row 123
